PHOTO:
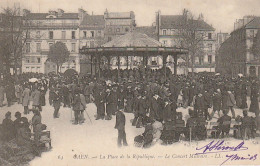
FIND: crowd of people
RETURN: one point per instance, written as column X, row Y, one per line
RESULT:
column 149, row 94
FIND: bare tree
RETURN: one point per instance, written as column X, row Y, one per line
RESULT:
column 190, row 37
column 14, row 36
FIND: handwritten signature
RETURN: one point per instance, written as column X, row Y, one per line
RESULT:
column 236, row 157
column 219, row 147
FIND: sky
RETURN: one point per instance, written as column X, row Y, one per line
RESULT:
column 221, row 14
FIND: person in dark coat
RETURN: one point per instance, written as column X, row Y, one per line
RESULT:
column 120, row 126
column 244, row 96
column 224, row 124
column 17, row 121
column 254, row 106
column 9, row 94
column 191, row 126
column 207, row 100
column 8, row 128
column 100, row 103
column 56, row 99
column 199, row 104
column 246, row 126
column 65, row 95
column 76, row 106
column 216, row 100
column 142, row 110
column 111, row 106
column 2, row 92
column 156, row 108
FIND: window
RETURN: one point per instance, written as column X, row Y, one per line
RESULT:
column 165, row 42
column 209, row 36
column 209, row 59
column 109, row 38
column 28, row 47
column 63, row 34
column 210, row 47
column 200, row 60
column 117, row 29
column 38, row 47
column 164, row 32
column 126, row 29
column 92, row 44
column 38, row 34
column 92, row 33
column 50, row 34
column 50, row 44
column 27, row 60
column 38, row 60
column 28, row 35
column 73, row 47
column 84, row 34
column 73, row 35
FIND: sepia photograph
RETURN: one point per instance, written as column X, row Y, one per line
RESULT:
column 129, row 82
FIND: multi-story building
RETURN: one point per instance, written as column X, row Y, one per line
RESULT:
column 168, row 27
column 118, row 23
column 91, row 35
column 235, row 55
column 45, row 30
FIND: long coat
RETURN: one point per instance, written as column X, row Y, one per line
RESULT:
column 26, row 96
column 216, row 98
column 230, row 100
column 120, row 120
column 36, row 94
column 2, row 91
column 254, row 106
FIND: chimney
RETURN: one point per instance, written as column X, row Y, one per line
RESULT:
column 26, row 12
column 81, row 13
column 60, row 12
column 106, row 14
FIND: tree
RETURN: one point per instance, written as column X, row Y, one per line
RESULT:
column 190, row 37
column 58, row 54
column 13, row 37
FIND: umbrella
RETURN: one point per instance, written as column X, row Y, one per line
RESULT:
column 33, row 79
column 240, row 75
column 217, row 74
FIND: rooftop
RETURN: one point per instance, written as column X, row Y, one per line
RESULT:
column 175, row 22
column 133, row 39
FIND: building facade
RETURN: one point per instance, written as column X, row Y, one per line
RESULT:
column 118, row 23
column 45, row 30
column 91, row 35
column 235, row 55
column 168, row 27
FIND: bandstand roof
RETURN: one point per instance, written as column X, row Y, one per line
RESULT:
column 133, row 42
column 133, row 39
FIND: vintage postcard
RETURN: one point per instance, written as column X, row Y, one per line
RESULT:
column 129, row 82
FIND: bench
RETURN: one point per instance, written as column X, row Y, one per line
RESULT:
column 210, row 128
column 44, row 138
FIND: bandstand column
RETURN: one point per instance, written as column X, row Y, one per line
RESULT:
column 118, row 65
column 91, row 64
column 99, row 59
column 175, row 63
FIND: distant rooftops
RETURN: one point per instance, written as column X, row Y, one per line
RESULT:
column 175, row 22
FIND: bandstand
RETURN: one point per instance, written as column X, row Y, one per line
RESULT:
column 131, row 44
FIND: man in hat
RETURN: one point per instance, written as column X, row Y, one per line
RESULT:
column 56, row 102
column 120, row 126
column 216, row 98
